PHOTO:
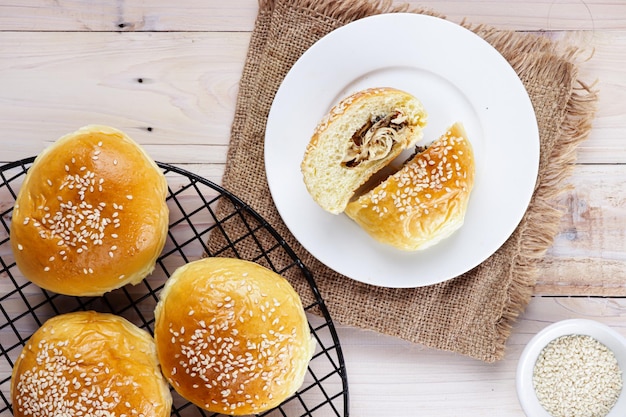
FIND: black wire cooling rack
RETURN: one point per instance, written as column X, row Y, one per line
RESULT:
column 205, row 220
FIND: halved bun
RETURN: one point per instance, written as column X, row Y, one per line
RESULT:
column 89, row 364
column 232, row 336
column 426, row 200
column 357, row 138
column 91, row 214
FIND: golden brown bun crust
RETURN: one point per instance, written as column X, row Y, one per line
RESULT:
column 330, row 173
column 426, row 200
column 91, row 362
column 232, row 336
column 91, row 214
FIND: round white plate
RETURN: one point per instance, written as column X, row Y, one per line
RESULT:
column 458, row 77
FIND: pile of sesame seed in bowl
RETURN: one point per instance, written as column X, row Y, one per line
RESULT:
column 573, row 368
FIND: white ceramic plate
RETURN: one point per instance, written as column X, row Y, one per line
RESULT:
column 458, row 77
column 526, row 365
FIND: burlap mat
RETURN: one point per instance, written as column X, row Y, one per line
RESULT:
column 473, row 313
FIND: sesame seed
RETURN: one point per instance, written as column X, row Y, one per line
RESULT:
column 20, row 247
column 43, row 388
column 129, row 196
column 577, row 375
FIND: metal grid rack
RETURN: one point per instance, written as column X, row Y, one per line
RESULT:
column 205, row 220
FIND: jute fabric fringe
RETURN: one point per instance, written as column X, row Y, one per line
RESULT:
column 471, row 314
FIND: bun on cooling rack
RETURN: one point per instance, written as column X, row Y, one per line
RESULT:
column 91, row 214
column 232, row 336
column 426, row 200
column 358, row 137
column 89, row 363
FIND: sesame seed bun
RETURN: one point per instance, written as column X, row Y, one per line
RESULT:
column 91, row 214
column 89, row 363
column 360, row 135
column 426, row 200
column 232, row 336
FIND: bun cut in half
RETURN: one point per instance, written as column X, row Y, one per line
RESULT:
column 358, row 137
column 91, row 214
column 426, row 200
column 232, row 336
column 89, row 364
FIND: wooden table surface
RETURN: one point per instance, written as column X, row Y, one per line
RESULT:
column 167, row 74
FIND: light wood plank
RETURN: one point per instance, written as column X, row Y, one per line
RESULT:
column 239, row 15
column 129, row 15
column 601, row 64
column 187, row 97
column 166, row 90
column 54, row 82
column 435, row 383
column 589, row 253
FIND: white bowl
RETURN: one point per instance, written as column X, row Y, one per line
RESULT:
column 602, row 333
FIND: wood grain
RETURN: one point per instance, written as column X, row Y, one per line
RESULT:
column 175, row 93
column 167, row 73
column 239, row 15
column 390, row 376
column 172, row 89
column 589, row 253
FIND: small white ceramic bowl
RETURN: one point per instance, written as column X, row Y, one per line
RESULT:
column 601, row 332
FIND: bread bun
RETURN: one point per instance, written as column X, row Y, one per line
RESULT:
column 89, row 364
column 232, row 336
column 359, row 136
column 91, row 214
column 426, row 200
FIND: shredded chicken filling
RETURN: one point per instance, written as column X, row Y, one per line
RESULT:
column 375, row 139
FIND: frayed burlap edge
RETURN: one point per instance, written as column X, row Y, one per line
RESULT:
column 543, row 214
column 544, row 220
column 538, row 233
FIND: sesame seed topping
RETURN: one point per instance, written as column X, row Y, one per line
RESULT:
column 213, row 354
column 20, row 247
column 82, row 221
column 44, row 388
column 434, row 172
